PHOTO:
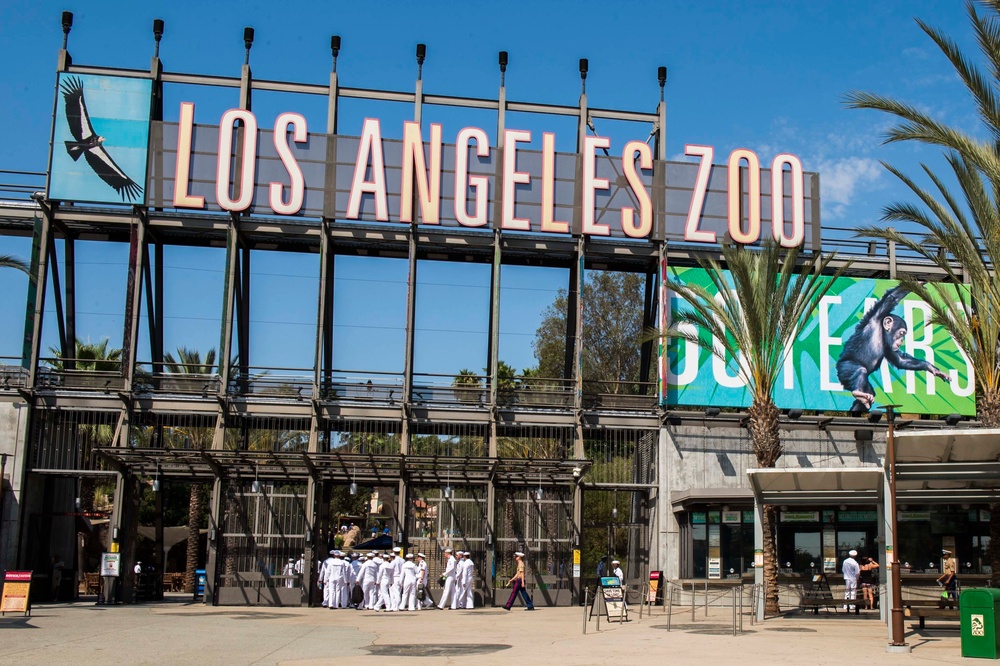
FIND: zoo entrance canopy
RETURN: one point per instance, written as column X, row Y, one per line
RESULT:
column 833, row 486
column 948, row 466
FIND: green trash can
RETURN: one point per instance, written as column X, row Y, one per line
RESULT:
column 979, row 609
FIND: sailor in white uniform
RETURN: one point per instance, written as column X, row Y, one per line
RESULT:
column 408, row 602
column 369, row 574
column 458, row 599
column 322, row 579
column 449, row 578
column 469, row 580
column 387, row 598
column 423, row 582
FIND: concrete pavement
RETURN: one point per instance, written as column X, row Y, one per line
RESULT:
column 184, row 633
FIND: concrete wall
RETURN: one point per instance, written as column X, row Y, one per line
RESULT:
column 13, row 431
column 716, row 457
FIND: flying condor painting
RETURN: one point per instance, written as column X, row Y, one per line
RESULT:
column 89, row 144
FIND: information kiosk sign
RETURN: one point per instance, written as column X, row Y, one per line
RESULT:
column 16, row 593
column 614, row 598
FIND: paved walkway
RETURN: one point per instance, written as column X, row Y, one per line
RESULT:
column 181, row 633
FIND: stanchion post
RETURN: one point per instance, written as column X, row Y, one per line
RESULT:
column 586, row 598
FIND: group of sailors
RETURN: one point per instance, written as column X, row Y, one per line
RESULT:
column 390, row 582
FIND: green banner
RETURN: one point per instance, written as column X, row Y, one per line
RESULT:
column 841, row 360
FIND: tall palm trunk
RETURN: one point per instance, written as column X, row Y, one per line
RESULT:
column 767, row 448
column 194, row 536
column 988, row 406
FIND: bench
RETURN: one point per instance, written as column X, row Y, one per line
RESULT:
column 835, row 604
column 932, row 612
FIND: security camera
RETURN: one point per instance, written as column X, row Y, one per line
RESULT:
column 576, row 472
column 38, row 196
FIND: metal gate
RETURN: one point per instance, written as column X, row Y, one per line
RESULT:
column 260, row 531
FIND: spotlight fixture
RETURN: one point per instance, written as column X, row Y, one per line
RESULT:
column 712, row 412
column 795, row 414
column 157, row 36
column 875, row 415
column 953, row 419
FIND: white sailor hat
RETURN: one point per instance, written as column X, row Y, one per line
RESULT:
column 372, row 554
column 354, row 556
column 447, row 550
column 397, row 549
column 333, row 552
column 468, row 554
column 853, row 553
column 421, row 555
column 615, row 562
column 291, row 559
column 409, row 556
column 518, row 554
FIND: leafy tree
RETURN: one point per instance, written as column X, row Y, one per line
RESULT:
column 190, row 362
column 755, row 319
column 612, row 328
column 958, row 233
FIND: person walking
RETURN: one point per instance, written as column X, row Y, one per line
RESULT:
column 851, row 569
column 369, row 574
column 949, row 581
column 517, row 585
column 469, row 580
column 386, row 597
column 408, row 602
column 289, row 572
column 323, row 571
column 449, row 579
column 397, row 573
column 424, row 598
column 458, row 598
column 336, row 581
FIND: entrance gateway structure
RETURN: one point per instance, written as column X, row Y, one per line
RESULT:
column 568, row 468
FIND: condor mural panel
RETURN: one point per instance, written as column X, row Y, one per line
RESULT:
column 868, row 343
column 100, row 139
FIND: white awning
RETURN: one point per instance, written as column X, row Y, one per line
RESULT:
column 811, row 486
column 948, row 466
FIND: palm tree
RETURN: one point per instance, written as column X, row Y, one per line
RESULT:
column 958, row 233
column 467, row 386
column 10, row 261
column 91, row 356
column 755, row 318
column 190, row 362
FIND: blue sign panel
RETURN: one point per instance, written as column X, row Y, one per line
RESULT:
column 100, row 140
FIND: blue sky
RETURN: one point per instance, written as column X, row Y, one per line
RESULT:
column 769, row 76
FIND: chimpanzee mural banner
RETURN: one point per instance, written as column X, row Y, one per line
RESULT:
column 868, row 343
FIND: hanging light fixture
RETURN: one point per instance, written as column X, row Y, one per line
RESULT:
column 156, row 479
column 255, row 486
column 614, row 506
column 447, row 488
column 538, row 493
column 354, row 478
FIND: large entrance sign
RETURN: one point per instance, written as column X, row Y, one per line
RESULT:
column 914, row 362
column 234, row 164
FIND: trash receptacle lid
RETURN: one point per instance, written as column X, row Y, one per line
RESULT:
column 979, row 597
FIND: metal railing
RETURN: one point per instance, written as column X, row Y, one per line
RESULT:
column 87, row 374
